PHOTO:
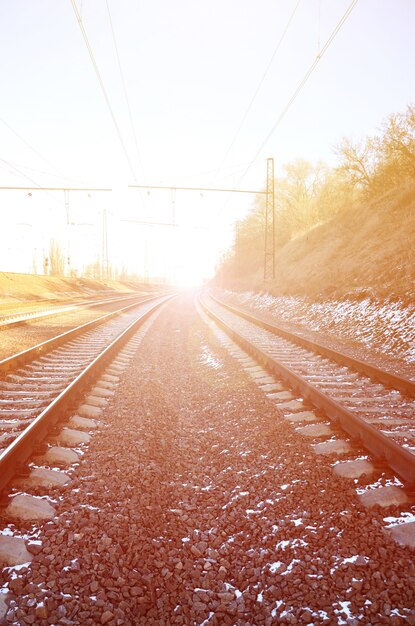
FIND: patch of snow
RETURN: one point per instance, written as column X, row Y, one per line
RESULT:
column 375, row 323
column 209, row 359
column 404, row 518
column 322, row 615
column 277, row 606
column 13, row 570
column 390, row 482
column 290, row 567
column 275, row 566
column 353, row 559
column 344, row 609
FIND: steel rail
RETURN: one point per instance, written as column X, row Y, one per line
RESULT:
column 19, row 319
column 13, row 458
column 400, row 460
column 16, row 360
column 405, row 385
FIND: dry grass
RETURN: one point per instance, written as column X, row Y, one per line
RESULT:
column 367, row 250
column 28, row 287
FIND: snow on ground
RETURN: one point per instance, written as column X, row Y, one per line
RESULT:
column 384, row 326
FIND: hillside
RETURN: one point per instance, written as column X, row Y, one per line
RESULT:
column 23, row 287
column 366, row 250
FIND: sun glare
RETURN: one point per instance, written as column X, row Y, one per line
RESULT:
column 189, row 277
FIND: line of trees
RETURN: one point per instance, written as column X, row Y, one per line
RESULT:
column 308, row 195
column 56, row 264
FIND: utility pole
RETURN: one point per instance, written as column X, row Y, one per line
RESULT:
column 68, row 233
column 104, row 248
column 146, row 261
column 237, row 247
column 269, row 244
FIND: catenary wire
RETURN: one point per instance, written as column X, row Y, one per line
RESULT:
column 301, row 85
column 22, row 174
column 101, row 84
column 270, row 62
column 124, row 85
column 37, row 171
column 31, row 147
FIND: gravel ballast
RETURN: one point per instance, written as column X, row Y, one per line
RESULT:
column 18, row 338
column 197, row 503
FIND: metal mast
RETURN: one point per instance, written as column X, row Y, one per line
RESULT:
column 269, row 243
column 104, row 247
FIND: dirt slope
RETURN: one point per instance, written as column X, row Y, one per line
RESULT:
column 23, row 287
column 369, row 250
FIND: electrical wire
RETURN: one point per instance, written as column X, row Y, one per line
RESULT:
column 270, row 62
column 31, row 147
column 22, row 174
column 101, row 84
column 32, row 169
column 301, row 84
column 125, row 90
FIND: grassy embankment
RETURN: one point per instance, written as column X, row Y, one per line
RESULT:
column 24, row 287
column 367, row 250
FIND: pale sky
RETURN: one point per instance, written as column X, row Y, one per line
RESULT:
column 191, row 69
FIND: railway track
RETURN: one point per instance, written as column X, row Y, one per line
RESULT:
column 376, row 408
column 20, row 315
column 194, row 502
column 38, row 386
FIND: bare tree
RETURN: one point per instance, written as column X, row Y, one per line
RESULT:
column 357, row 161
column 296, row 197
column 398, row 141
column 56, row 259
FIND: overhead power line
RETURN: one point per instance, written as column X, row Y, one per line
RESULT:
column 31, row 147
column 22, row 174
column 19, row 172
column 32, row 169
column 270, row 62
column 38, row 188
column 124, row 86
column 101, row 84
column 196, row 189
column 302, row 83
